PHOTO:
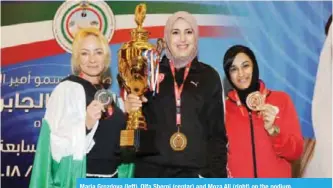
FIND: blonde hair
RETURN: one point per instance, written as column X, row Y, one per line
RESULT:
column 79, row 36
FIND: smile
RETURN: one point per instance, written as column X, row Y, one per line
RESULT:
column 243, row 80
column 182, row 46
column 93, row 67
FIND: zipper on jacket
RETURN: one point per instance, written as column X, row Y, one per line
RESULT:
column 254, row 160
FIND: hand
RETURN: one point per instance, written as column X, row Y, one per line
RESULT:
column 133, row 102
column 94, row 113
column 269, row 113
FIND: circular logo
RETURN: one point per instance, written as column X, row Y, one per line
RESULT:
column 74, row 15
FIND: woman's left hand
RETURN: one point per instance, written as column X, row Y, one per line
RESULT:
column 269, row 113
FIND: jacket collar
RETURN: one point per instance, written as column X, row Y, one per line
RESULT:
column 196, row 66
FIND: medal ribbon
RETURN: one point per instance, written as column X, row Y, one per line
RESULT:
column 178, row 91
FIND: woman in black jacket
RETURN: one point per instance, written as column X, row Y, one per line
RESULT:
column 187, row 113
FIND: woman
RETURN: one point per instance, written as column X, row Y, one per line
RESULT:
column 80, row 134
column 262, row 125
column 192, row 142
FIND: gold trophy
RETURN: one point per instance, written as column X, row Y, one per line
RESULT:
column 133, row 77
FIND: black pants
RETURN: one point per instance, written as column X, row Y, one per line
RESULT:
column 149, row 170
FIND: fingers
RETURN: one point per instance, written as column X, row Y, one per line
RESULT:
column 275, row 110
column 133, row 99
column 269, row 109
column 268, row 126
column 134, row 102
column 272, row 109
column 269, row 114
column 95, row 109
column 144, row 99
column 268, row 119
column 96, row 115
column 261, row 108
column 96, row 106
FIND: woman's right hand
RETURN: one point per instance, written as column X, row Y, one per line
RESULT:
column 94, row 113
column 133, row 102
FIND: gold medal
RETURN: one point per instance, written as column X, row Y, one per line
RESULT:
column 255, row 100
column 178, row 141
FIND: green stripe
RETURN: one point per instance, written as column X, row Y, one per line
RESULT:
column 46, row 172
column 25, row 12
column 63, row 23
column 104, row 17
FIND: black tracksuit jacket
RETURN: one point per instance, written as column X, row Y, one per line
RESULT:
column 202, row 123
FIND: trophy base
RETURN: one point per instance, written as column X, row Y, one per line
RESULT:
column 138, row 141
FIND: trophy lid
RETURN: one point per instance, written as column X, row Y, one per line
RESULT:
column 139, row 33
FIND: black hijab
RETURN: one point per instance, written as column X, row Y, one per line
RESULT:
column 229, row 57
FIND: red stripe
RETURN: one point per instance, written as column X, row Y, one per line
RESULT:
column 26, row 52
column 71, row 14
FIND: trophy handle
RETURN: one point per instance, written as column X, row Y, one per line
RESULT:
column 121, row 83
column 160, row 46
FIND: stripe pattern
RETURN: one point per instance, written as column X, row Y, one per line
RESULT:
column 32, row 25
column 26, row 33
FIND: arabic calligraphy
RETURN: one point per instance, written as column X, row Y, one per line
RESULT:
column 16, row 81
column 25, row 103
column 22, row 147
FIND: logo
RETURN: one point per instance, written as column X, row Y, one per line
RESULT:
column 194, row 83
column 160, row 77
column 74, row 15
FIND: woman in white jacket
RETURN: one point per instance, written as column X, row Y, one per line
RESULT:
column 80, row 135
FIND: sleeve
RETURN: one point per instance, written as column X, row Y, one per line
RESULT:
column 217, row 138
column 322, row 114
column 289, row 142
column 61, row 139
column 66, row 114
column 89, row 140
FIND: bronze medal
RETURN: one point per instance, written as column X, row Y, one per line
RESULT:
column 178, row 141
column 255, row 100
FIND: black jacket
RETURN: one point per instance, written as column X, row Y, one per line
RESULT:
column 102, row 159
column 202, row 120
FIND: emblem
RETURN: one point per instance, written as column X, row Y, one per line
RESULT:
column 71, row 16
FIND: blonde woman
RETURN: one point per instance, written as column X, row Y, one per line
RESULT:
column 79, row 135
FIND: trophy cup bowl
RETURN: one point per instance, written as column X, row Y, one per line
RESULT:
column 136, row 139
